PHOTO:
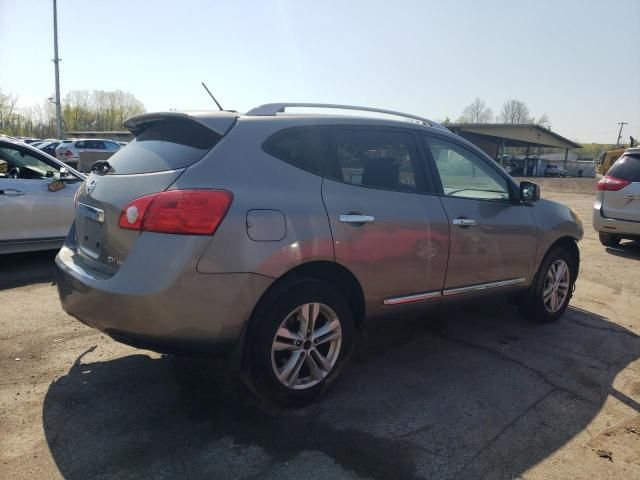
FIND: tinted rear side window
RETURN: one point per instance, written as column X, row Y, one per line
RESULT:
column 627, row 168
column 375, row 158
column 303, row 147
column 164, row 146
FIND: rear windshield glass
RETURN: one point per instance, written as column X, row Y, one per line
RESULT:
column 626, row 168
column 164, row 146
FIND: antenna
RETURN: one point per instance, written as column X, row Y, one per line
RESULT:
column 211, row 95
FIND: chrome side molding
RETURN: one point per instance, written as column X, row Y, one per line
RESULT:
column 483, row 286
column 419, row 297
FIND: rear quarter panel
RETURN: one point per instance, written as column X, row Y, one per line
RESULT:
column 259, row 181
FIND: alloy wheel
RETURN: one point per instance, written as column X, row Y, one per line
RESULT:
column 306, row 346
column 556, row 286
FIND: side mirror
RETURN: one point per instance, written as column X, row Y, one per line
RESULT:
column 63, row 172
column 529, row 192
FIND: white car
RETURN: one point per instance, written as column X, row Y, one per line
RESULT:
column 616, row 211
column 92, row 149
column 36, row 198
column 553, row 170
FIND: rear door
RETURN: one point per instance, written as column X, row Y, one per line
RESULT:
column 387, row 228
column 493, row 240
column 624, row 204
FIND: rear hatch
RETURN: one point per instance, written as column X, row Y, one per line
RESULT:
column 165, row 145
column 624, row 203
column 62, row 148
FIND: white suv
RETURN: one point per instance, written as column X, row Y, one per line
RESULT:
column 98, row 149
column 616, row 212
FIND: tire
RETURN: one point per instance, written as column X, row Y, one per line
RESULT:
column 609, row 240
column 277, row 346
column 540, row 304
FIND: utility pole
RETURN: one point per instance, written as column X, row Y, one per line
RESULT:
column 56, row 62
column 622, row 124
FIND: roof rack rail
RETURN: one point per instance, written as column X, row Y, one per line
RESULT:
column 273, row 108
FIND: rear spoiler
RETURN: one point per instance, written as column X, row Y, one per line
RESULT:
column 219, row 122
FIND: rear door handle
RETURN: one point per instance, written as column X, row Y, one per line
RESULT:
column 11, row 192
column 356, row 219
column 464, row 222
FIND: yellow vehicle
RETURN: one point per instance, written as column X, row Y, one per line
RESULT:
column 607, row 159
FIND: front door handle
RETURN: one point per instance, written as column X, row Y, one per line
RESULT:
column 464, row 222
column 356, row 219
column 11, row 192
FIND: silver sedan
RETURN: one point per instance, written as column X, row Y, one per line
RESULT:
column 36, row 198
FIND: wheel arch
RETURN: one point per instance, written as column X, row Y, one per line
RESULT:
column 332, row 273
column 570, row 244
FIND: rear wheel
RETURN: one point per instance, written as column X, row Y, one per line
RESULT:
column 609, row 240
column 299, row 343
column 549, row 296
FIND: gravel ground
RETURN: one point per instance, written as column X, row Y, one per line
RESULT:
column 488, row 396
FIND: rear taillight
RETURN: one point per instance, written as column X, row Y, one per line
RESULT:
column 611, row 183
column 186, row 212
column 67, row 153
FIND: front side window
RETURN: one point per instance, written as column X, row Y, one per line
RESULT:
column 375, row 158
column 464, row 174
column 19, row 164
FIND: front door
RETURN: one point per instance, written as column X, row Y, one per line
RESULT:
column 386, row 228
column 29, row 211
column 493, row 239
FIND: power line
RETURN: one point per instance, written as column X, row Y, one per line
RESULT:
column 56, row 62
column 622, row 124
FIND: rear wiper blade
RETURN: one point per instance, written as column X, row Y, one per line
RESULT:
column 101, row 166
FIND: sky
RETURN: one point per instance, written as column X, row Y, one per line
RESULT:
column 576, row 61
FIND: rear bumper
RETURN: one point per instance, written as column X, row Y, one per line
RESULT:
column 614, row 226
column 189, row 312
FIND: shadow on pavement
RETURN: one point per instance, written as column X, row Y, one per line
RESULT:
column 21, row 269
column 626, row 250
column 489, row 395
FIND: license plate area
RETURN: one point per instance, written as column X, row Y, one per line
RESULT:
column 89, row 229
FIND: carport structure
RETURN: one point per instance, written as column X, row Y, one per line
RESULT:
column 494, row 138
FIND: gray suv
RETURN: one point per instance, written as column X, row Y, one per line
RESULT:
column 274, row 236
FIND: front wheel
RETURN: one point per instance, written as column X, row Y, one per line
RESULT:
column 551, row 291
column 299, row 343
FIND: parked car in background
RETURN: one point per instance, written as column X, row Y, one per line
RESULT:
column 50, row 147
column 83, row 153
column 29, row 140
column 184, row 239
column 36, row 198
column 616, row 211
column 553, row 170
